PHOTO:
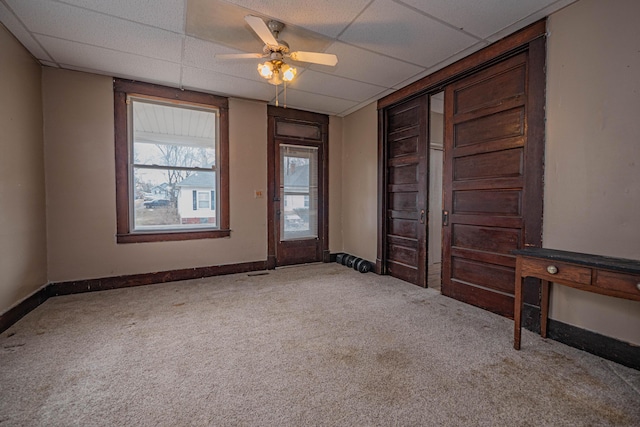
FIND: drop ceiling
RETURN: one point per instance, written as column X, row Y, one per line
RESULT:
column 382, row 45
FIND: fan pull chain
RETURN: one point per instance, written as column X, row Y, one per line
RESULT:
column 276, row 94
column 285, row 94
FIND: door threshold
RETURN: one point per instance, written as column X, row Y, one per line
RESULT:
column 301, row 265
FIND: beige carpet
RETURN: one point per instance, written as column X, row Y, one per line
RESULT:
column 313, row 345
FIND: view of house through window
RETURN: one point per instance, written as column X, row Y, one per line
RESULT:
column 173, row 166
column 299, row 192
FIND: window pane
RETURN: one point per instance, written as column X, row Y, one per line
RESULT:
column 298, row 192
column 165, row 199
column 298, row 130
column 173, row 136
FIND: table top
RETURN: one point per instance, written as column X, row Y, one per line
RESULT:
column 604, row 262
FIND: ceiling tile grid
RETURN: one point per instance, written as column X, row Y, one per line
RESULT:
column 165, row 14
column 83, row 26
column 14, row 25
column 110, row 62
column 381, row 45
column 399, row 32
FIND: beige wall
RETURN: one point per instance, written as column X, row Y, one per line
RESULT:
column 592, row 176
column 360, row 183
column 23, row 261
column 80, row 181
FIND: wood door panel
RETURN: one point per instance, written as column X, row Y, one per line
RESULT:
column 406, row 160
column 488, row 155
column 496, row 302
column 505, row 124
column 507, row 163
column 403, row 147
column 403, row 254
column 403, row 271
column 406, row 174
column 490, row 276
column 486, row 257
column 405, row 116
column 489, row 239
column 402, row 227
column 498, row 202
column 403, row 201
column 492, row 91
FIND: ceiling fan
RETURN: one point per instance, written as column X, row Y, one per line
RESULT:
column 275, row 70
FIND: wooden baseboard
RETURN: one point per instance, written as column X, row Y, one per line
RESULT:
column 606, row 347
column 106, row 283
column 78, row 286
column 20, row 310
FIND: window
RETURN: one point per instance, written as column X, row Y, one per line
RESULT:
column 171, row 164
column 203, row 199
column 299, row 178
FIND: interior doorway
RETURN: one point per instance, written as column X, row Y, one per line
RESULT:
column 298, row 184
column 436, row 148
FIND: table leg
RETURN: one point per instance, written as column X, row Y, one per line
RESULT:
column 517, row 312
column 544, row 308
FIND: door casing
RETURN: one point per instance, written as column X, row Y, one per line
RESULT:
column 291, row 116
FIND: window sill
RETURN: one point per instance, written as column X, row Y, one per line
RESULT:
column 170, row 237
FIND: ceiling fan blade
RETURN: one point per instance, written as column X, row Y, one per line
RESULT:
column 238, row 55
column 315, row 57
column 261, row 29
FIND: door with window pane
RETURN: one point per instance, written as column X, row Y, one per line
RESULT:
column 298, row 232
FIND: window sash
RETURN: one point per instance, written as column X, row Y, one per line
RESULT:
column 176, row 217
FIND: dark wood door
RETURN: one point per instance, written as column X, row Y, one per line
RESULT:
column 298, row 184
column 492, row 167
column 406, row 134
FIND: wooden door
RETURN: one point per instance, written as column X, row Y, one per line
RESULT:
column 492, row 170
column 406, row 196
column 298, row 184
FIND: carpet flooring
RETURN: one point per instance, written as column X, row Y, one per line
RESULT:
column 315, row 345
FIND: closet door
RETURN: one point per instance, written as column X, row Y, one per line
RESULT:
column 491, row 162
column 407, row 157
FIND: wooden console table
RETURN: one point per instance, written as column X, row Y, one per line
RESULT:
column 616, row 277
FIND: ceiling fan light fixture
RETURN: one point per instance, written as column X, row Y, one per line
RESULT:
column 288, row 72
column 276, row 71
column 266, row 70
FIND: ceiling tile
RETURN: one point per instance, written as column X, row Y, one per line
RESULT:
column 201, row 54
column 450, row 60
column 379, row 70
column 17, row 29
column 481, row 18
column 80, row 25
column 199, row 79
column 328, row 17
column 365, row 103
column 109, row 62
column 166, row 14
column 338, row 87
column 315, row 102
column 398, row 31
column 529, row 20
